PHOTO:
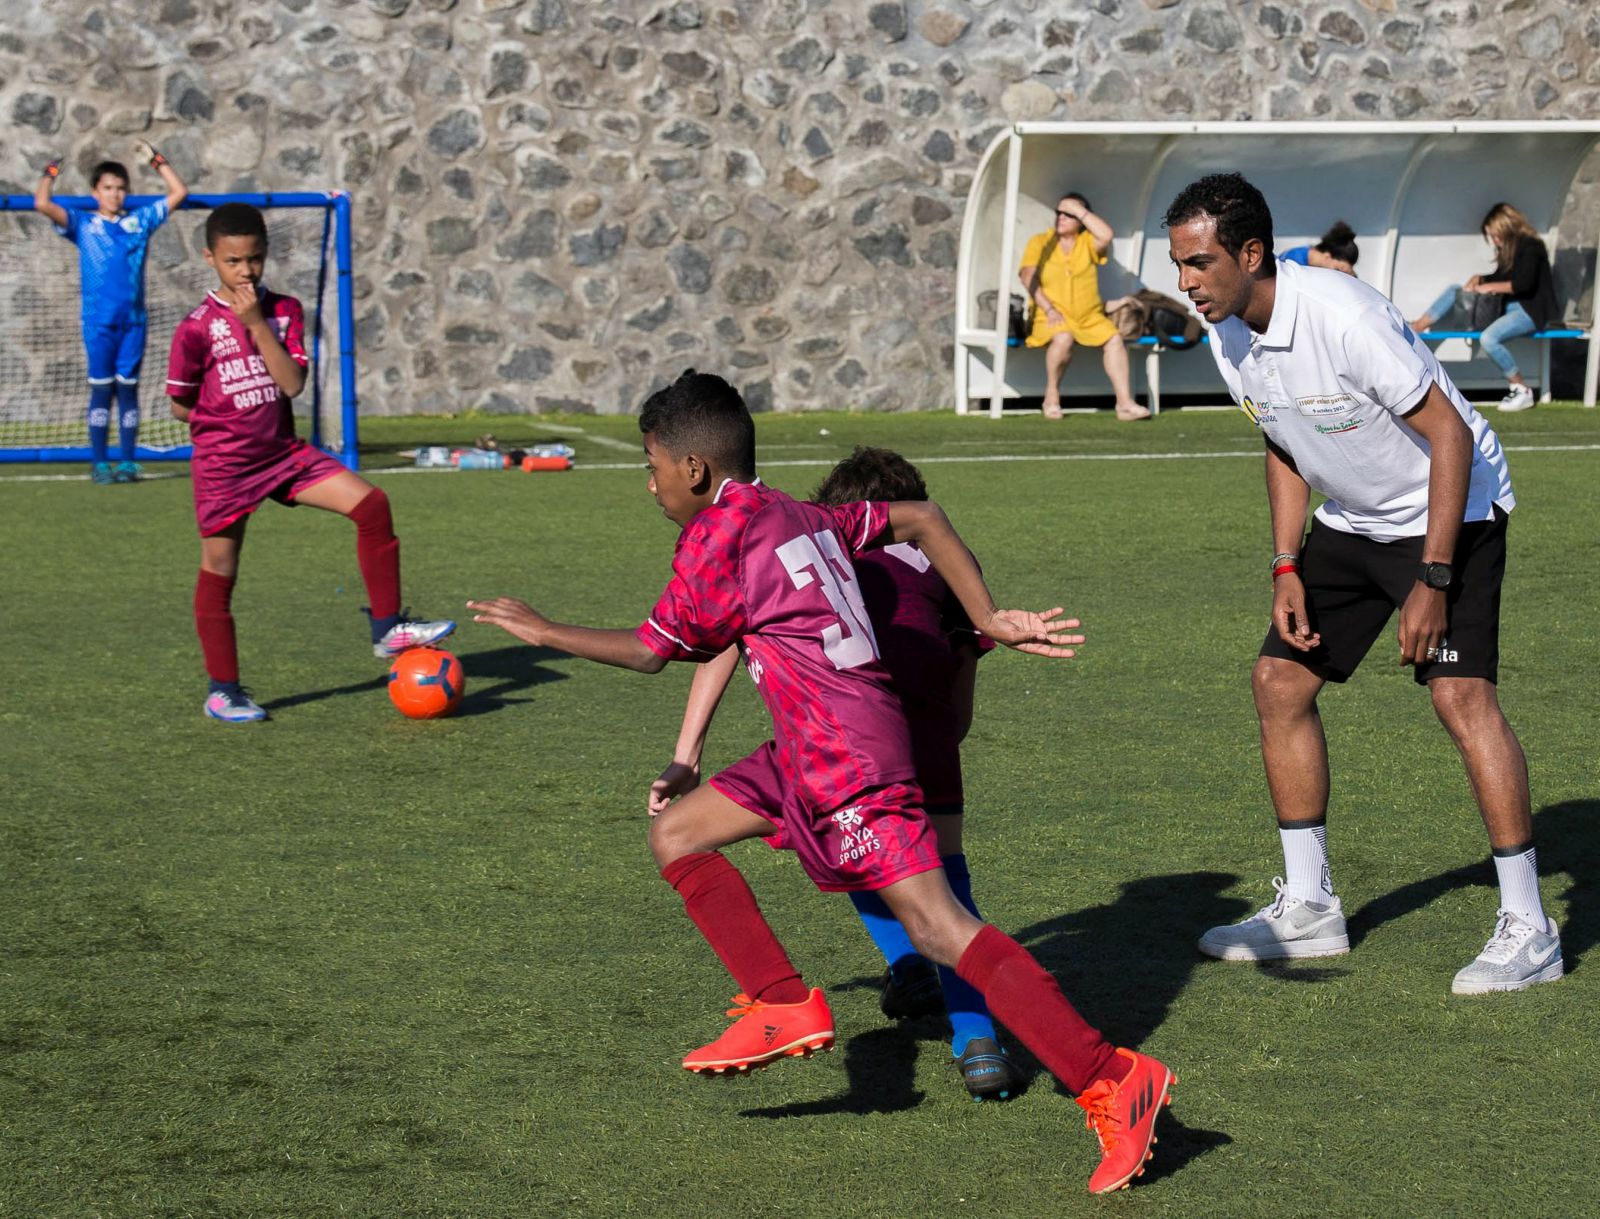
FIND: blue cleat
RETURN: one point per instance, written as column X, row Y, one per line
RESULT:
column 234, row 707
column 101, row 473
column 126, row 472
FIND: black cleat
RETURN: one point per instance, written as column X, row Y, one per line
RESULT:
column 912, row 991
column 987, row 1072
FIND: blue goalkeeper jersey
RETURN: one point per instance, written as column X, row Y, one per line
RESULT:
column 111, row 261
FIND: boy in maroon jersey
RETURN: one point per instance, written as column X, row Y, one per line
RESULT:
column 236, row 362
column 758, row 569
column 931, row 651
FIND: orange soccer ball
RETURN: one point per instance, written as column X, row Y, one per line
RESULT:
column 426, row 683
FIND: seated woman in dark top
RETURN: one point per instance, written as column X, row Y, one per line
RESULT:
column 1522, row 275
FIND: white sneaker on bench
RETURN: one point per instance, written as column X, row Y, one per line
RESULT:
column 1519, row 399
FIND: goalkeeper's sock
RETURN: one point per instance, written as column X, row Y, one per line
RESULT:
column 100, row 421
column 128, row 418
column 884, row 928
column 969, row 1014
column 378, row 554
column 213, row 622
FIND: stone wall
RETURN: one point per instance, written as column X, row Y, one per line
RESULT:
column 561, row 203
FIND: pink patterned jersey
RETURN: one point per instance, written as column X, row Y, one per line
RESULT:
column 775, row 576
column 922, row 631
column 241, row 418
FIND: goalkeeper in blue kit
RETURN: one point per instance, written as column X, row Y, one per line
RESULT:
column 112, row 243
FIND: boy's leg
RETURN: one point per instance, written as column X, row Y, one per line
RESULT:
column 777, row 1015
column 377, row 553
column 100, row 348
column 130, row 357
column 213, row 622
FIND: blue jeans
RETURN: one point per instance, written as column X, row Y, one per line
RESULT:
column 1512, row 324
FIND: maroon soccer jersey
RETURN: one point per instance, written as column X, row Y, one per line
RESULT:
column 240, row 417
column 921, row 630
column 775, row 576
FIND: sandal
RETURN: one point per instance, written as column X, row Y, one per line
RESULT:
column 1050, row 410
column 1130, row 413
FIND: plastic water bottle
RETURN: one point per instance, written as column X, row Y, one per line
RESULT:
column 480, row 459
column 434, row 455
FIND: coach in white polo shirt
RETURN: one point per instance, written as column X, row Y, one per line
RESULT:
column 1352, row 404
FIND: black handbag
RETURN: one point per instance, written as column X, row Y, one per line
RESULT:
column 1483, row 309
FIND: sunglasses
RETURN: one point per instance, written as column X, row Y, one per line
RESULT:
column 1068, row 215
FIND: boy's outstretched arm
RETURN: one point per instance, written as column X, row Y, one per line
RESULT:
column 1043, row 634
column 177, row 192
column 620, row 648
column 705, row 692
column 42, row 201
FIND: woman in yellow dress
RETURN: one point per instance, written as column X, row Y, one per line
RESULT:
column 1059, row 273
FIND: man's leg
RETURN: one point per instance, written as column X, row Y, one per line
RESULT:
column 1056, row 358
column 1306, row 919
column 1115, row 356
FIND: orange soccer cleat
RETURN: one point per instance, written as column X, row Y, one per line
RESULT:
column 1123, row 1115
column 764, row 1032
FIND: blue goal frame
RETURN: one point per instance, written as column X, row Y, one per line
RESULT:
column 335, row 206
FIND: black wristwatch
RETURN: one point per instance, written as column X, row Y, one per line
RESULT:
column 1436, row 575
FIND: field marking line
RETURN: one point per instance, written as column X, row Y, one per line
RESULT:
column 951, row 459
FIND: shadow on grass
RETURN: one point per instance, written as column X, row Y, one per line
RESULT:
column 1568, row 837
column 880, row 1065
column 510, row 669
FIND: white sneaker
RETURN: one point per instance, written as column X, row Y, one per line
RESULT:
column 407, row 634
column 1517, row 955
column 1519, row 399
column 234, row 707
column 1290, row 927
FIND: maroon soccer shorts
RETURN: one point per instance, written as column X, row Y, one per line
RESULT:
column 221, row 499
column 877, row 837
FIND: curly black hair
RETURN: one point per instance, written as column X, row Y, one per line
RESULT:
column 1340, row 242
column 1239, row 209
column 701, row 413
column 234, row 220
column 868, row 473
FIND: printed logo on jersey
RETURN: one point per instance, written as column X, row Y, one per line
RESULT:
column 1343, row 426
column 753, row 667
column 1317, row 406
column 129, row 224
column 222, row 341
column 856, row 839
column 1260, row 413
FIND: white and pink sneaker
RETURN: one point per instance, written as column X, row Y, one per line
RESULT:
column 403, row 635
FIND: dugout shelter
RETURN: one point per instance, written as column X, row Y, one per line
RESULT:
column 1415, row 193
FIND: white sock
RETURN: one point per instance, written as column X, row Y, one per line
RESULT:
column 1305, row 863
column 1519, row 886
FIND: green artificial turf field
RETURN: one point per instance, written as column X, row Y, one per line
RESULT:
column 346, row 964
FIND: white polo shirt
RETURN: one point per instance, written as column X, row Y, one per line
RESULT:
column 1328, row 383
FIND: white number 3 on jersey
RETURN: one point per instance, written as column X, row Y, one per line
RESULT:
column 818, row 556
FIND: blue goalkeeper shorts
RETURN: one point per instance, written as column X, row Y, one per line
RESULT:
column 115, row 351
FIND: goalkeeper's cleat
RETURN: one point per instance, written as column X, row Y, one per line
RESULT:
column 407, row 634
column 101, row 473
column 1123, row 1116
column 763, row 1033
column 911, row 989
column 126, row 472
column 987, row 1072
column 1290, row 927
column 234, row 706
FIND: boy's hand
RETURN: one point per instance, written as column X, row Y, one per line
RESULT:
column 1046, row 634
column 52, row 169
column 246, row 305
column 515, row 617
column 679, row 779
column 147, row 152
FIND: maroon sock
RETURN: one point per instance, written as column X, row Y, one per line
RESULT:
column 213, row 622
column 1028, row 1002
column 378, row 553
column 721, row 905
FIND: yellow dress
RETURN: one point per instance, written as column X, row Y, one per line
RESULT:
column 1071, row 285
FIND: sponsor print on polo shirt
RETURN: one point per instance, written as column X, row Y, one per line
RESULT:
column 1317, row 406
column 1340, row 428
column 1260, row 413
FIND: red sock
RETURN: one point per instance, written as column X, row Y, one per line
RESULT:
column 378, row 553
column 1028, row 1002
column 721, row 905
column 213, row 622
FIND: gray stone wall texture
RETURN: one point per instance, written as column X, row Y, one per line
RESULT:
column 561, row 204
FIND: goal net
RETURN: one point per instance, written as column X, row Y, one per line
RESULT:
column 44, row 390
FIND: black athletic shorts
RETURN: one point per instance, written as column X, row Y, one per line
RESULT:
column 1355, row 584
